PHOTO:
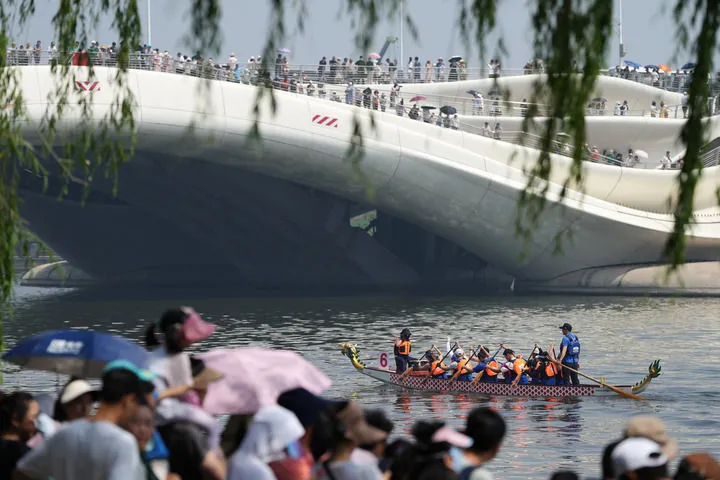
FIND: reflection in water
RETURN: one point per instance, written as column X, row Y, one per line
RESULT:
column 620, row 337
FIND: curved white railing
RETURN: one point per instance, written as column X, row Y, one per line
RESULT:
column 677, row 81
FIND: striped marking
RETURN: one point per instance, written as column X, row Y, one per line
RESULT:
column 325, row 121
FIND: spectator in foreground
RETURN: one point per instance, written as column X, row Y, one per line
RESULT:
column 487, row 429
column 18, row 414
column 97, row 448
column 698, row 466
column 374, row 452
column 75, row 401
column 639, row 459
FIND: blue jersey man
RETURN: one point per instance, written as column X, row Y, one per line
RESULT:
column 569, row 355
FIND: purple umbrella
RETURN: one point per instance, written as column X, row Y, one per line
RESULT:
column 284, row 50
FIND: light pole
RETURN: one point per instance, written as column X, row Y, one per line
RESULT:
column 149, row 24
column 402, row 21
column 621, row 49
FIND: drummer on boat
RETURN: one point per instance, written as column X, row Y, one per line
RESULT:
column 401, row 350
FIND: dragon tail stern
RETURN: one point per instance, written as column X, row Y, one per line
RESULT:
column 654, row 371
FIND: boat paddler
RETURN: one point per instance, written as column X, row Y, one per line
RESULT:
column 436, row 367
column 401, row 350
column 513, row 368
column 463, row 366
column 487, row 364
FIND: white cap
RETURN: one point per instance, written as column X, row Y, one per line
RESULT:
column 75, row 389
column 459, row 352
column 635, row 453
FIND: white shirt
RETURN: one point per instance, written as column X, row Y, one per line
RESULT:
column 175, row 369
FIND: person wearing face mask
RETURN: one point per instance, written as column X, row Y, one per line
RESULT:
column 75, row 401
column 18, row 414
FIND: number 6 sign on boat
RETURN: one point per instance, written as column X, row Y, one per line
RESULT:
column 383, row 361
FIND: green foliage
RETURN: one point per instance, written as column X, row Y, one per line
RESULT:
column 92, row 145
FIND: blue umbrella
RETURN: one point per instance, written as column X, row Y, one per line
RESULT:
column 632, row 64
column 472, row 92
column 651, row 67
column 448, row 110
column 82, row 353
column 688, row 66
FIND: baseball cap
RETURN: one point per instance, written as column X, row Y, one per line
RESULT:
column 651, row 427
column 141, row 373
column 566, row 326
column 356, row 427
column 635, row 453
column 76, row 389
column 453, row 437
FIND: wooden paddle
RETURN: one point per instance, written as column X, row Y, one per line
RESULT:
column 457, row 373
column 615, row 389
column 441, row 361
column 480, row 375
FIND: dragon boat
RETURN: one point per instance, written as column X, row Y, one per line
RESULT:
column 422, row 381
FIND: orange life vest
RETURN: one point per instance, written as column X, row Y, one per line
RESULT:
column 550, row 370
column 493, row 364
column 464, row 366
column 436, row 367
column 402, row 347
column 519, row 366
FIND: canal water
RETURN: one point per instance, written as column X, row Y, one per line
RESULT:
column 620, row 337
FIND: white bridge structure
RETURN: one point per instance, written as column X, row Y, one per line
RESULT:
column 211, row 205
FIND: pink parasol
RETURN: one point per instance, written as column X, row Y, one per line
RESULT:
column 418, row 98
column 373, row 56
column 255, row 377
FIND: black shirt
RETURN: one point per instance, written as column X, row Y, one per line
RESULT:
column 11, row 451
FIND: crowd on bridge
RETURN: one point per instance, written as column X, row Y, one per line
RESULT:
column 156, row 423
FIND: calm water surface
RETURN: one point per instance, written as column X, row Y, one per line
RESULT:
column 620, row 337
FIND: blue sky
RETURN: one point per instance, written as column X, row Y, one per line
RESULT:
column 649, row 30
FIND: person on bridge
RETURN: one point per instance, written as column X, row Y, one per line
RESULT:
column 401, row 349
column 569, row 355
